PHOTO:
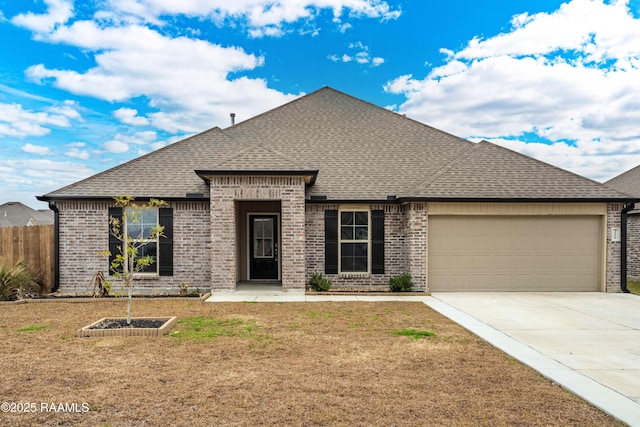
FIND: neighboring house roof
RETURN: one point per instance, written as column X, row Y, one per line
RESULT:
column 359, row 152
column 15, row 214
column 627, row 182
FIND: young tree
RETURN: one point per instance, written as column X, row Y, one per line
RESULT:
column 133, row 235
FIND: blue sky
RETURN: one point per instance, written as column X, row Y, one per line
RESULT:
column 87, row 85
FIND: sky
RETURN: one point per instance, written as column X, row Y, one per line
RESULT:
column 87, row 85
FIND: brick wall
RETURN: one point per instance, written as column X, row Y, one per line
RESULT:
column 83, row 233
column 633, row 247
column 417, row 244
column 612, row 282
column 395, row 247
column 225, row 192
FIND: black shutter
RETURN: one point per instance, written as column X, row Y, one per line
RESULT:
column 165, row 250
column 331, row 242
column 115, row 245
column 377, row 242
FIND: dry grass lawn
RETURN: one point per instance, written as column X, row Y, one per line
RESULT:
column 286, row 364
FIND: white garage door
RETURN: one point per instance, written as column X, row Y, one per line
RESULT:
column 514, row 253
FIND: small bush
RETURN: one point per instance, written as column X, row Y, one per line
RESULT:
column 17, row 282
column 319, row 283
column 402, row 283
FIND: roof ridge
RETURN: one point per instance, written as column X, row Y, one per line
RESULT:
column 447, row 167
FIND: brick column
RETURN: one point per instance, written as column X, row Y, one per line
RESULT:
column 292, row 253
column 613, row 249
column 223, row 239
column 417, row 244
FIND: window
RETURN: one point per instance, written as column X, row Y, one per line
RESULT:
column 354, row 241
column 355, row 249
column 139, row 226
column 161, row 250
column 263, row 238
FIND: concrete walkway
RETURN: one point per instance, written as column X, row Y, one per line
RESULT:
column 587, row 342
column 274, row 293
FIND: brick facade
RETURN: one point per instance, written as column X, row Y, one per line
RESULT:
column 417, row 244
column 226, row 192
column 206, row 236
column 612, row 276
column 633, row 247
column 395, row 247
column 83, row 234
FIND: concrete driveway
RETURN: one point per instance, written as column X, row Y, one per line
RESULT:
column 587, row 342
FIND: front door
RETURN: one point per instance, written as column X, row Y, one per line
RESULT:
column 263, row 247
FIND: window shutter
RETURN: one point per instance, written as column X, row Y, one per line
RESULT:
column 377, row 242
column 165, row 245
column 114, row 242
column 331, row 242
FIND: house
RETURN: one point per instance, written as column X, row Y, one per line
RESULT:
column 629, row 183
column 15, row 214
column 332, row 184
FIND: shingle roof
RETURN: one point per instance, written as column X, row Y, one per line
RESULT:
column 15, row 214
column 488, row 171
column 627, row 182
column 362, row 152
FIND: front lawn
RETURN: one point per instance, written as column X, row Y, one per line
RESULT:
column 285, row 364
column 633, row 287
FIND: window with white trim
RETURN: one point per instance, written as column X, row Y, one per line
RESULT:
column 354, row 241
column 140, row 223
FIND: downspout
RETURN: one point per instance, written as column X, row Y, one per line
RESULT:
column 56, row 245
column 623, row 246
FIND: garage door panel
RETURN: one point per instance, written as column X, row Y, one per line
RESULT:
column 505, row 253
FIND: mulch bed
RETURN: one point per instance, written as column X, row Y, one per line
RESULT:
column 122, row 323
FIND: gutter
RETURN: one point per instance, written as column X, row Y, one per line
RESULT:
column 623, row 246
column 56, row 245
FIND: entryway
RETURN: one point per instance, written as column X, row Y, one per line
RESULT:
column 258, row 239
column 263, row 247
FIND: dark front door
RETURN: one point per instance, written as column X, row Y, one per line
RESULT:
column 263, row 247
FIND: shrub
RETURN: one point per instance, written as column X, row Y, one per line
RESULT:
column 17, row 282
column 319, row 283
column 402, row 283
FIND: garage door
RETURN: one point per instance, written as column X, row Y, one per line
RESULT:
column 514, row 253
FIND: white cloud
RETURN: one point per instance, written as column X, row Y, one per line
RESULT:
column 116, row 146
column 122, row 142
column 18, row 122
column 77, row 151
column 130, row 116
column 359, row 53
column 261, row 17
column 59, row 12
column 198, row 96
column 37, row 149
column 20, row 177
column 568, row 76
column 138, row 138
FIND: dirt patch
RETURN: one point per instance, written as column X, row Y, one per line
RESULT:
column 243, row 364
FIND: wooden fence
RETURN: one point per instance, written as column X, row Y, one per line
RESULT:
column 32, row 244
